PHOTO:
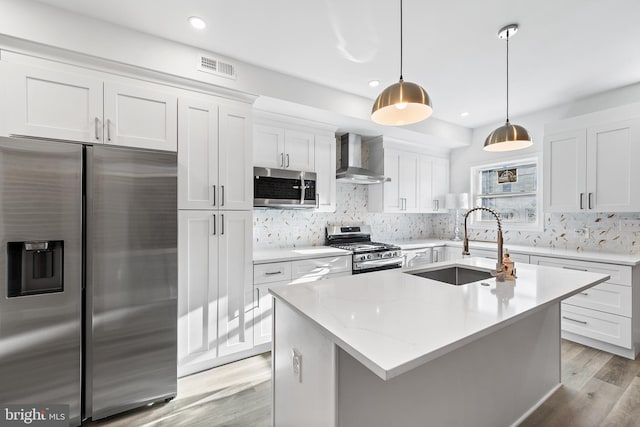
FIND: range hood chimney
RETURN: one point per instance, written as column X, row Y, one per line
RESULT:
column 351, row 169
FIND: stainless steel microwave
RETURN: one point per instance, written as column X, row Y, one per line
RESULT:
column 284, row 189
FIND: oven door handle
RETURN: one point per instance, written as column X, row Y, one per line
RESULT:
column 378, row 263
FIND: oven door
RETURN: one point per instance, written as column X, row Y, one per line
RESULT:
column 377, row 265
column 284, row 189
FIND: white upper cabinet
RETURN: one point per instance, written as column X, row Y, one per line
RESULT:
column 595, row 168
column 281, row 148
column 52, row 104
column 139, row 116
column 418, row 183
column 434, row 183
column 235, row 171
column 325, row 161
column 214, row 156
column 80, row 106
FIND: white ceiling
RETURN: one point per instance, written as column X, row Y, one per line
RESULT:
column 564, row 50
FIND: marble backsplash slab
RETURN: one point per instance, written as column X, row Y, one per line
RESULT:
column 605, row 232
column 276, row 228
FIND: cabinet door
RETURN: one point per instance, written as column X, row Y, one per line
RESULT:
column 268, row 146
column 235, row 289
column 197, row 154
column 440, row 183
column 299, row 150
column 565, row 174
column 263, row 313
column 325, row 168
column 236, row 165
column 136, row 116
column 426, row 184
column 408, row 181
column 391, row 190
column 52, row 104
column 613, row 165
column 197, row 289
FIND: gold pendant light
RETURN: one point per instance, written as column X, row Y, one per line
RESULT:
column 401, row 103
column 508, row 137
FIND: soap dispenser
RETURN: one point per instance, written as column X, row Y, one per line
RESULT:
column 509, row 266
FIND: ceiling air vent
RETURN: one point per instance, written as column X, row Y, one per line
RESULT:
column 217, row 67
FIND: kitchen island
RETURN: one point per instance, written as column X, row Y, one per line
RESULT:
column 392, row 348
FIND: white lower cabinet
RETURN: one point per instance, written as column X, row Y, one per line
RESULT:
column 606, row 315
column 215, row 288
column 275, row 274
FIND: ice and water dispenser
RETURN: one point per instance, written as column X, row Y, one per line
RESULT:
column 34, row 267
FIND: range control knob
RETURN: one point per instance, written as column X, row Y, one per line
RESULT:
column 369, row 256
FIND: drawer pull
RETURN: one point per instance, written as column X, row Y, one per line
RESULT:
column 584, row 293
column 575, row 320
column 322, row 266
column 272, row 273
column 574, row 268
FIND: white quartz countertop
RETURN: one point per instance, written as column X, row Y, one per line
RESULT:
column 392, row 322
column 606, row 257
column 292, row 254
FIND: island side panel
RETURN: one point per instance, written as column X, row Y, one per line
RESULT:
column 491, row 382
column 310, row 398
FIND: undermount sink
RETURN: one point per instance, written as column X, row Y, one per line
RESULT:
column 453, row 275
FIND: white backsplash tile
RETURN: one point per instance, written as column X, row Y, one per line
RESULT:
column 604, row 232
column 275, row 228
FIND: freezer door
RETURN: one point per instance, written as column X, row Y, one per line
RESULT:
column 40, row 273
column 131, row 278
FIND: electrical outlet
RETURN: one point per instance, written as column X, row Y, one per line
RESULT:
column 296, row 361
column 629, row 225
column 584, row 232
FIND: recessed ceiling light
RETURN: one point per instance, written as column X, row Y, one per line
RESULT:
column 465, row 114
column 374, row 83
column 197, row 23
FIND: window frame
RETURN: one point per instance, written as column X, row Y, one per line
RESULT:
column 475, row 195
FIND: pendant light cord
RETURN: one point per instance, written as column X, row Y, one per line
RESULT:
column 507, row 76
column 400, row 39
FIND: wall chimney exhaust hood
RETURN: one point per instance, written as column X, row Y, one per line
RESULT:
column 351, row 169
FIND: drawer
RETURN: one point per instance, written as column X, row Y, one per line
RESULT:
column 310, row 278
column 320, row 266
column 272, row 272
column 607, row 297
column 600, row 326
column 620, row 274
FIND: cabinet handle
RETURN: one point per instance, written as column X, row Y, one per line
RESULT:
column 97, row 122
column 287, row 160
column 581, row 200
column 281, row 160
column 257, row 298
column 574, row 320
column 435, row 256
column 214, row 194
column 590, row 200
column 436, row 205
column 222, row 195
column 272, row 273
column 109, row 130
column 574, row 268
column 317, row 200
column 214, row 225
column 221, row 224
column 584, row 293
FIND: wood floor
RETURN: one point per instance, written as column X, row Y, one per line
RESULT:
column 599, row 389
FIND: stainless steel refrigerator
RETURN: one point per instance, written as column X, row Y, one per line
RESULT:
column 88, row 263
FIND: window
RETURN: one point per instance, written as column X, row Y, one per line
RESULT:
column 512, row 190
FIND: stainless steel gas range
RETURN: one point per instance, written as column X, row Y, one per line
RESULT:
column 368, row 256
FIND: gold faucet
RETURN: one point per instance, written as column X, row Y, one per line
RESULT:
column 499, row 271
